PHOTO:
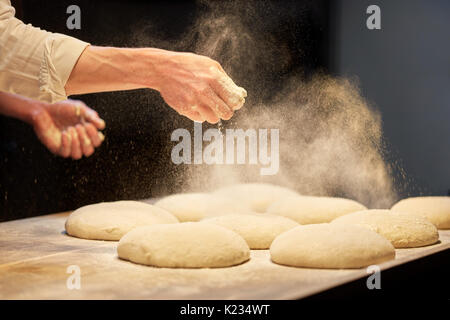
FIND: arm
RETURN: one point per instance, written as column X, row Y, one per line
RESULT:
column 67, row 128
column 194, row 85
column 49, row 67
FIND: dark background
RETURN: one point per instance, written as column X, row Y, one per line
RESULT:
column 404, row 70
column 134, row 161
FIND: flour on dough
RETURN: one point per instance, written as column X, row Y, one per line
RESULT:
column 259, row 230
column 196, row 206
column 404, row 231
column 184, row 245
column 331, row 246
column 256, row 196
column 310, row 210
column 435, row 209
column 111, row 220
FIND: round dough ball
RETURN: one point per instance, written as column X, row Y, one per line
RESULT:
column 435, row 209
column 310, row 210
column 256, row 196
column 404, row 231
column 259, row 230
column 184, row 245
column 330, row 246
column 196, row 206
column 111, row 220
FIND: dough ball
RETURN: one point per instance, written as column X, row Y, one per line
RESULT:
column 184, row 245
column 256, row 196
column 309, row 210
column 257, row 229
column 196, row 206
column 332, row 246
column 404, row 231
column 111, row 220
column 435, row 209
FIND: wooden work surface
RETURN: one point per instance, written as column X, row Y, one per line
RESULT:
column 35, row 254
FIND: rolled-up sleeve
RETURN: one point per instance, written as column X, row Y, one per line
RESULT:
column 33, row 62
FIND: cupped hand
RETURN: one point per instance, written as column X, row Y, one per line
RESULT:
column 68, row 128
column 198, row 87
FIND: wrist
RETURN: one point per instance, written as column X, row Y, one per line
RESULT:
column 148, row 65
column 19, row 107
column 33, row 110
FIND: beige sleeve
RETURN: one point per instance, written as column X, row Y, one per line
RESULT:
column 33, row 62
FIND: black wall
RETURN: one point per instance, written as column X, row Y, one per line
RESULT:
column 404, row 69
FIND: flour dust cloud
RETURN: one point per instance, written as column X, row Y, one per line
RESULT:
column 330, row 138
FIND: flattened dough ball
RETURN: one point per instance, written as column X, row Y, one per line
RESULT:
column 330, row 246
column 310, row 210
column 256, row 196
column 184, row 245
column 259, row 230
column 196, row 206
column 111, row 220
column 435, row 209
column 404, row 231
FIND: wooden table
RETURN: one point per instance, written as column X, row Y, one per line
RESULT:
column 35, row 254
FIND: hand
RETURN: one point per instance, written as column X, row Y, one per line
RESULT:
column 68, row 128
column 198, row 88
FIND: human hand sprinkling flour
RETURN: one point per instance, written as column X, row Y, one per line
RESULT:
column 193, row 85
column 198, row 87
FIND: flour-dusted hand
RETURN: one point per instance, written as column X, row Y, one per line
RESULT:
column 198, row 87
column 194, row 85
column 68, row 128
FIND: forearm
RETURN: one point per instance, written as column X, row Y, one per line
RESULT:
column 110, row 69
column 194, row 85
column 18, row 107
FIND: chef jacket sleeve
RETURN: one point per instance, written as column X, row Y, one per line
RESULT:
column 33, row 62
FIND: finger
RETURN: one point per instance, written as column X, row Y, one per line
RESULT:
column 92, row 116
column 241, row 103
column 66, row 143
column 218, row 106
column 75, row 152
column 85, row 142
column 227, row 90
column 51, row 137
column 195, row 116
column 93, row 134
column 192, row 114
column 206, row 113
